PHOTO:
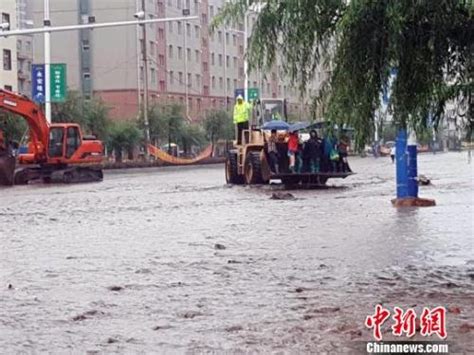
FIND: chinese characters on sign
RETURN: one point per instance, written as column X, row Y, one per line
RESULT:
column 432, row 321
column 58, row 83
column 38, row 91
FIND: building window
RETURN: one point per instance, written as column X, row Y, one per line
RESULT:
column 152, row 48
column 221, row 83
column 241, row 50
column 161, row 34
column 198, row 104
column 204, row 19
column 211, row 11
column 188, row 30
column 188, row 54
column 235, row 62
column 5, row 18
column 171, row 77
column 162, row 85
column 150, row 16
column 178, row 4
column 206, row 90
column 205, row 66
column 170, row 26
column 161, row 59
column 241, row 71
column 219, row 36
column 180, row 77
column 228, row 84
column 152, row 75
column 198, row 80
column 7, row 59
column 268, row 87
column 235, row 83
column 190, row 80
column 170, row 51
column 180, row 27
column 8, row 87
column 227, row 61
column 254, row 84
column 234, row 40
column 213, row 82
column 227, row 38
column 213, row 59
column 220, row 60
column 180, row 53
column 197, row 55
column 196, row 31
column 190, row 103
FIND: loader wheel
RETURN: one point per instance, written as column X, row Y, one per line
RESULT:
column 253, row 169
column 231, row 170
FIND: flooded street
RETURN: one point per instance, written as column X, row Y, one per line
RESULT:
column 173, row 260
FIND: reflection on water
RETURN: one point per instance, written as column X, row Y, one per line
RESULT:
column 174, row 260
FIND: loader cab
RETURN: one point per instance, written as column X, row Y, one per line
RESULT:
column 272, row 109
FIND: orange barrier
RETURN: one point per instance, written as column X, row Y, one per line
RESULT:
column 163, row 156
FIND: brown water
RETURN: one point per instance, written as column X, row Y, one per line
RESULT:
column 131, row 264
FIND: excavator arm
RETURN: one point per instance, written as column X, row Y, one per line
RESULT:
column 38, row 126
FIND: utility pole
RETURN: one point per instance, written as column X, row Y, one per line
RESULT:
column 47, row 61
column 139, row 83
column 186, row 12
column 225, row 69
column 246, row 64
column 145, row 81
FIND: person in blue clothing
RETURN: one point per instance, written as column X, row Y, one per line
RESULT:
column 328, row 145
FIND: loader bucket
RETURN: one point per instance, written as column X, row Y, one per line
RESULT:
column 7, row 170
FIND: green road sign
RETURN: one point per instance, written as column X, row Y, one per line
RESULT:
column 58, row 82
column 253, row 94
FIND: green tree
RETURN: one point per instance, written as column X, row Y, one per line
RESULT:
column 429, row 43
column 91, row 115
column 124, row 136
column 14, row 127
column 218, row 125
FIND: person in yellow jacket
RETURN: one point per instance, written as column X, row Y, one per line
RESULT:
column 241, row 117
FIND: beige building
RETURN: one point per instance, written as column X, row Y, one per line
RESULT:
column 180, row 54
column 8, row 48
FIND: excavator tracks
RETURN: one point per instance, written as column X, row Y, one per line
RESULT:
column 67, row 175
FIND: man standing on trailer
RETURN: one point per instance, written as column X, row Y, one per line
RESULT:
column 241, row 117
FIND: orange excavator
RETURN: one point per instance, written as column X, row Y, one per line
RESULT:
column 57, row 153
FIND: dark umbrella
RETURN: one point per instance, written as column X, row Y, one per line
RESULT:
column 298, row 126
column 278, row 125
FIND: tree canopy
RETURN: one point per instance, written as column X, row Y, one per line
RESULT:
column 91, row 115
column 360, row 42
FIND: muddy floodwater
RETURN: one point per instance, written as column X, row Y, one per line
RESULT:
column 173, row 260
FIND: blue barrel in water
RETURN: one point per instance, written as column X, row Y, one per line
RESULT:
column 412, row 171
column 401, row 164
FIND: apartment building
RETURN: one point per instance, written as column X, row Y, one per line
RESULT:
column 186, row 64
column 16, row 52
column 8, row 47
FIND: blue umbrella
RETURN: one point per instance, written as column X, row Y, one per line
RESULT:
column 278, row 125
column 298, row 126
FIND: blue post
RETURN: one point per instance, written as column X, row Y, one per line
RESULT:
column 412, row 171
column 401, row 164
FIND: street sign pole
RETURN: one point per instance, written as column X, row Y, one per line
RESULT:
column 47, row 62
